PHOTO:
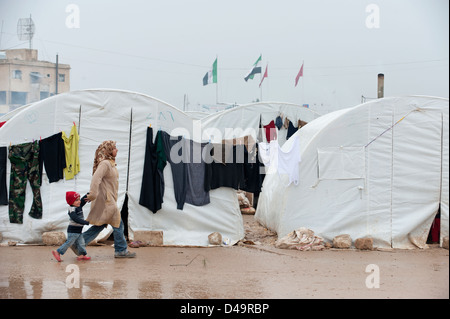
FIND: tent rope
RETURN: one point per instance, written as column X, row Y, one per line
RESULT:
column 391, row 127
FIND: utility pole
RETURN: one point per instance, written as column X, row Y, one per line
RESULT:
column 31, row 26
column 56, row 75
column 1, row 33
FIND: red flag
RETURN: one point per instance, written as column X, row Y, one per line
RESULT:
column 300, row 73
column 264, row 76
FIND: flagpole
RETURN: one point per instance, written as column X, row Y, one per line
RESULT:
column 260, row 86
column 303, row 85
column 263, row 76
column 262, row 79
column 217, row 83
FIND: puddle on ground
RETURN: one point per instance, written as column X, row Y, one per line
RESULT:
column 20, row 288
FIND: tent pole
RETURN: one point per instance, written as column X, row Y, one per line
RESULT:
column 79, row 130
column 129, row 150
column 442, row 172
column 79, row 120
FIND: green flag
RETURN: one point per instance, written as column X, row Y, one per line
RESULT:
column 211, row 75
column 255, row 69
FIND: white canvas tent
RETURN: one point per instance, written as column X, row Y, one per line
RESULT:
column 196, row 115
column 244, row 120
column 10, row 114
column 122, row 116
column 379, row 169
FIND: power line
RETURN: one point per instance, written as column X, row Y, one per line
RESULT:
column 366, row 65
column 310, row 68
column 344, row 66
column 118, row 53
column 140, row 68
column 126, row 54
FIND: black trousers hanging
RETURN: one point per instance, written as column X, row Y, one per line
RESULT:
column 151, row 193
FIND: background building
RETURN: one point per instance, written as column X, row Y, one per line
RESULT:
column 24, row 79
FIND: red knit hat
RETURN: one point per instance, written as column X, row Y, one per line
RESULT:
column 71, row 197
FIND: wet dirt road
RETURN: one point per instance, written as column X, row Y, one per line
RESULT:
column 239, row 272
column 223, row 272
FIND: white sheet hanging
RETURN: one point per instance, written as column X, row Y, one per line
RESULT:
column 282, row 161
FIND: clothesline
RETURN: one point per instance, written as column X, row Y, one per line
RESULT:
column 192, row 180
column 33, row 139
column 58, row 154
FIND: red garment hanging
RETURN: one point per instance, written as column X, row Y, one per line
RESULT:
column 271, row 132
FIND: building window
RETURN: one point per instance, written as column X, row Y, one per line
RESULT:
column 19, row 98
column 35, row 77
column 61, row 78
column 2, row 97
column 17, row 74
column 44, row 95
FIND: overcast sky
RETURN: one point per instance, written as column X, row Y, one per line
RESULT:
column 164, row 48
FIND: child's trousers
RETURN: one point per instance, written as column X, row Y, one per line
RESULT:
column 76, row 239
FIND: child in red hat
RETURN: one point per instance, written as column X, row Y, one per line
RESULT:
column 75, row 227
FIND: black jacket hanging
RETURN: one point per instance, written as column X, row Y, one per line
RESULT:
column 3, row 190
column 152, row 180
column 52, row 156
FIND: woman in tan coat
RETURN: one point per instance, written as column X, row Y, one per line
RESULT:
column 103, row 196
column 104, row 187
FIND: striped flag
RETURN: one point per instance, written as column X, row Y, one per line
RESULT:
column 255, row 69
column 211, row 75
column 300, row 74
column 264, row 76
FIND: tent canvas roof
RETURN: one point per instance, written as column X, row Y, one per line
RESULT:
column 379, row 169
column 244, row 120
column 123, row 116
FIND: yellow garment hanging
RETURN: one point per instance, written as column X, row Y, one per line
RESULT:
column 72, row 159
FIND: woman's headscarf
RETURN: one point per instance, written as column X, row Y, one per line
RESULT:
column 104, row 152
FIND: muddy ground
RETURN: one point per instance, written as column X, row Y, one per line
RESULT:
column 242, row 271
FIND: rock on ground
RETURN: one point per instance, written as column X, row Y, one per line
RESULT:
column 215, row 238
column 364, row 243
column 445, row 242
column 149, row 238
column 342, row 241
column 53, row 238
